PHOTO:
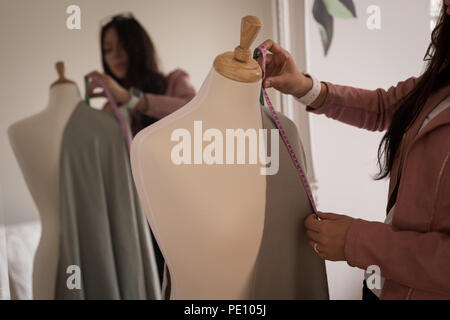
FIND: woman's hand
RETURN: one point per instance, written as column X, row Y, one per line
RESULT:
column 328, row 234
column 282, row 73
column 120, row 94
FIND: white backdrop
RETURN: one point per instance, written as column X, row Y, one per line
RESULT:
column 345, row 157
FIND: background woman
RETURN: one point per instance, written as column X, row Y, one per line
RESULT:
column 136, row 83
column 132, row 74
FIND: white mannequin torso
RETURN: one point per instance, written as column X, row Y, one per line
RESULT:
column 36, row 142
column 209, row 243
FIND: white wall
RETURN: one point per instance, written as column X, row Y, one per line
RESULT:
column 345, row 157
column 187, row 34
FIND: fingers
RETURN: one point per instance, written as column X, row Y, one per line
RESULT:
column 268, row 83
column 314, row 236
column 278, row 67
column 98, row 95
column 278, row 56
column 273, row 47
column 91, row 88
column 311, row 223
column 98, row 75
column 317, row 250
column 269, row 59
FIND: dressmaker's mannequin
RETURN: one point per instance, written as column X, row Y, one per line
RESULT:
column 211, row 221
column 36, row 142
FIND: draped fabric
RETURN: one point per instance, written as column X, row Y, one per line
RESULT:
column 105, row 245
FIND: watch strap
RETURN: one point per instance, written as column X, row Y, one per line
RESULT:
column 312, row 94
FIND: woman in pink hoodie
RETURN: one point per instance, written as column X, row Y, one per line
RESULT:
column 132, row 75
column 412, row 249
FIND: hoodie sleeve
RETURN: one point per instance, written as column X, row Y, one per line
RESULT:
column 180, row 92
column 368, row 109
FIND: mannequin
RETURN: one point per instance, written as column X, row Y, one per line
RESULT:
column 75, row 161
column 36, row 142
column 210, row 221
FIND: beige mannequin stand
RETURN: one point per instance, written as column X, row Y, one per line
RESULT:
column 208, row 219
column 36, row 142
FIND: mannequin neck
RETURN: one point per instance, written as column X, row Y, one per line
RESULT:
column 65, row 95
column 235, row 95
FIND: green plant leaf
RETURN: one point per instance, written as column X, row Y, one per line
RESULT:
column 344, row 9
column 325, row 23
column 326, row 41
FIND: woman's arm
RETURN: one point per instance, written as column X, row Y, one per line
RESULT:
column 367, row 109
column 371, row 110
column 415, row 259
column 180, row 93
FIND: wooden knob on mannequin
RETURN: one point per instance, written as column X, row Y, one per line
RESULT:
column 239, row 65
column 60, row 69
column 250, row 27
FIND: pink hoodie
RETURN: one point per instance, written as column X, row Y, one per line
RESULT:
column 178, row 93
column 414, row 253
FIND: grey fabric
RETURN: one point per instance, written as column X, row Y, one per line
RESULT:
column 103, row 230
column 286, row 266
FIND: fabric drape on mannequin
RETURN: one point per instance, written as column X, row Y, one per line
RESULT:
column 103, row 231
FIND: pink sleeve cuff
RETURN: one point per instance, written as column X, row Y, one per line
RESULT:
column 328, row 100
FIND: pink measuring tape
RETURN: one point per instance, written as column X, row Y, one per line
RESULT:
column 263, row 50
column 113, row 104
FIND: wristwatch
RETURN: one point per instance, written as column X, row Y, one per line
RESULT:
column 136, row 96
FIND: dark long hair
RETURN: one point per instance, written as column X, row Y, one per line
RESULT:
column 143, row 72
column 436, row 76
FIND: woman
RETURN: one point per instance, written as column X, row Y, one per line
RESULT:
column 412, row 249
column 132, row 75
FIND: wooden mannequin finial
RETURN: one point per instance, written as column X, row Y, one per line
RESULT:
column 61, row 73
column 60, row 69
column 239, row 65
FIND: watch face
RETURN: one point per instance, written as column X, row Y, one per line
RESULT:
column 136, row 92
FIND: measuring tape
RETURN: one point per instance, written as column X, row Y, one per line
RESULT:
column 263, row 50
column 111, row 101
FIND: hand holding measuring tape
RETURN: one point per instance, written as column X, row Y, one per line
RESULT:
column 327, row 231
